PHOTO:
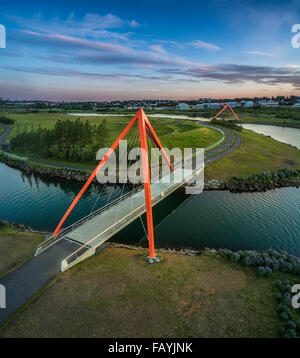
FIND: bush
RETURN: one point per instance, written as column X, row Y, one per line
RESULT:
column 6, row 120
column 286, row 299
column 288, row 288
column 290, row 333
column 268, row 271
column 235, row 257
column 284, row 316
column 247, row 261
column 262, row 271
column 291, row 324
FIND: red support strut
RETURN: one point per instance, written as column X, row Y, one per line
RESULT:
column 144, row 129
column 228, row 108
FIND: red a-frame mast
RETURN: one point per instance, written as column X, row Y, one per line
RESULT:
column 144, row 129
column 228, row 108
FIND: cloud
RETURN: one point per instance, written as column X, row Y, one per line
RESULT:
column 174, row 43
column 65, row 72
column 261, row 53
column 202, row 44
column 64, row 41
column 70, row 49
column 196, row 44
column 92, row 25
column 238, row 74
column 158, row 48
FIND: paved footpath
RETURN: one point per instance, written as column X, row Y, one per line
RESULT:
column 29, row 278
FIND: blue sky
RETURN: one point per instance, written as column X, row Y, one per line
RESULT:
column 108, row 50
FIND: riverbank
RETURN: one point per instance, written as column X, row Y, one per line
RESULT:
column 210, row 184
column 272, row 123
column 257, row 153
column 206, row 293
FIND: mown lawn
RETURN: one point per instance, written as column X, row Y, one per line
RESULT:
column 256, row 153
column 116, row 293
column 16, row 247
column 172, row 133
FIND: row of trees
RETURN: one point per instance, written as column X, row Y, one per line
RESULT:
column 68, row 140
column 6, row 120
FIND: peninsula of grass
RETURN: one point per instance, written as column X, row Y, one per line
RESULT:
column 172, row 133
column 16, row 246
column 116, row 293
column 256, row 153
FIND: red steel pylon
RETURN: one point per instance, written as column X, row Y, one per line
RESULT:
column 145, row 129
column 228, row 108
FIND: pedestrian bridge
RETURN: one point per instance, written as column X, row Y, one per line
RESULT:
column 93, row 230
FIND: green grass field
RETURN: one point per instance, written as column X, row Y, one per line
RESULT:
column 16, row 247
column 172, row 133
column 116, row 293
column 256, row 154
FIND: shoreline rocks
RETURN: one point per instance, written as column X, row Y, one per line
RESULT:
column 212, row 184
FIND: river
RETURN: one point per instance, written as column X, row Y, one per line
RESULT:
column 213, row 219
column 282, row 134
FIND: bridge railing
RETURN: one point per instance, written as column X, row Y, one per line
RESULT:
column 53, row 239
column 135, row 213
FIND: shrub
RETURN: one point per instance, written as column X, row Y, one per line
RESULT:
column 268, row 271
column 235, row 257
column 226, row 252
column 284, row 316
column 290, row 333
column 281, row 307
column 291, row 324
column 262, row 271
column 288, row 288
column 247, row 261
column 286, row 310
column 286, row 299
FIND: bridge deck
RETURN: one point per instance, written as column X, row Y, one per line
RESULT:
column 101, row 227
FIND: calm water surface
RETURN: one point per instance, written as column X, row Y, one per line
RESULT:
column 213, row 219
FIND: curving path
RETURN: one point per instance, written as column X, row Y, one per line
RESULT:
column 231, row 142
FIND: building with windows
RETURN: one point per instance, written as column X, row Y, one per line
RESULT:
column 247, row 103
column 182, row 106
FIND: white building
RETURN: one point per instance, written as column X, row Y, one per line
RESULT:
column 297, row 104
column 233, row 104
column 268, row 103
column 200, row 105
column 247, row 103
column 213, row 105
column 182, row 106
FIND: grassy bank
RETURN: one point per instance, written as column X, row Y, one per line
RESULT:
column 16, row 247
column 118, row 294
column 256, row 153
column 172, row 133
